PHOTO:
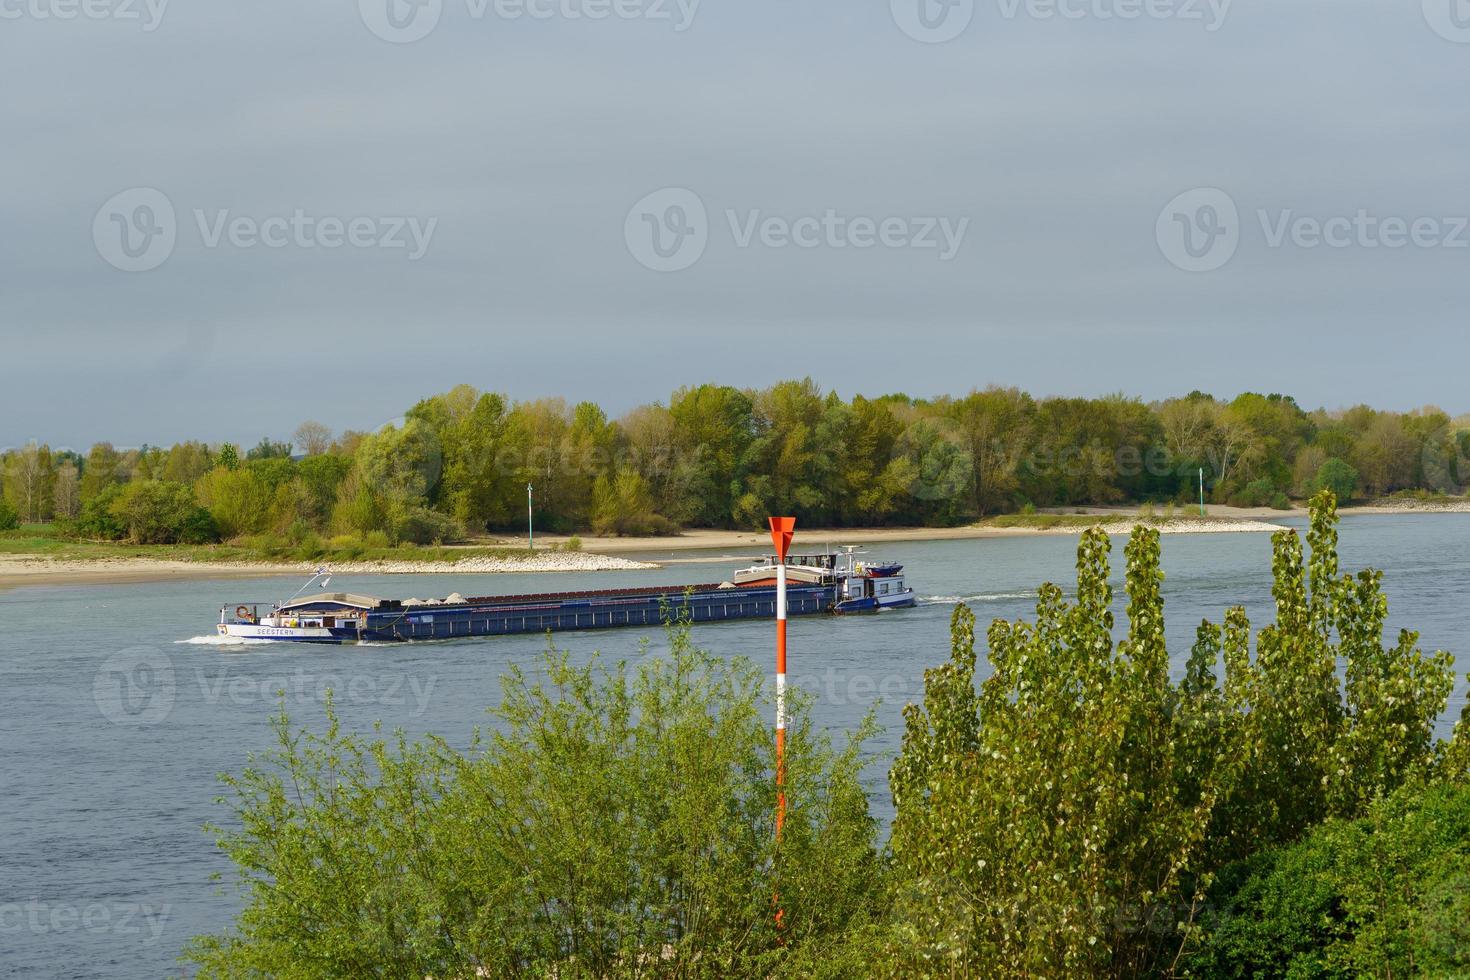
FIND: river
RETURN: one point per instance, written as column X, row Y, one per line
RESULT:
column 119, row 711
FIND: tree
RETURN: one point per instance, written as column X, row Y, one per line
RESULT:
column 9, row 520
column 1068, row 817
column 1336, row 476
column 313, row 438
column 102, row 469
column 266, row 449
column 713, row 429
column 28, row 481
column 66, row 496
column 228, row 457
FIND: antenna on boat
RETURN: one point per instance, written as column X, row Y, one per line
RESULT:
column 320, row 572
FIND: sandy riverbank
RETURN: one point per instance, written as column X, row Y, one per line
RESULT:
column 16, row 570
column 605, row 554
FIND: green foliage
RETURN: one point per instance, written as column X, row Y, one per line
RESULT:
column 420, row 525
column 97, row 521
column 9, row 519
column 622, row 505
column 1385, row 895
column 158, row 512
column 1336, row 476
column 1067, row 817
column 719, row 456
column 266, row 449
column 615, row 822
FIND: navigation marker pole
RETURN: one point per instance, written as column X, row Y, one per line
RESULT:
column 781, row 530
column 530, row 521
column 1202, row 491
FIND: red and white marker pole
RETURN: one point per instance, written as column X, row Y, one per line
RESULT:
column 782, row 529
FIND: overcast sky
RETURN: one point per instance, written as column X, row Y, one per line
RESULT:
column 220, row 219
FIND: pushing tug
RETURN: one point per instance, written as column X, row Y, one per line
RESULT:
column 828, row 582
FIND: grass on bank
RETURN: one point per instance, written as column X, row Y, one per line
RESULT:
column 43, row 541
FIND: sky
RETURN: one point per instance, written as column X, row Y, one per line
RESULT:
column 222, row 219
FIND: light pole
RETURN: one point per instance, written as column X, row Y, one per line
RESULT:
column 1202, row 491
column 530, row 521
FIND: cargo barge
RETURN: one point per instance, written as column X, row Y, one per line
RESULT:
column 831, row 582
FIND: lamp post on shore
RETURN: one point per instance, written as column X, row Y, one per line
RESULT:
column 530, row 521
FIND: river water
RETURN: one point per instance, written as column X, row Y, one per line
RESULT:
column 119, row 710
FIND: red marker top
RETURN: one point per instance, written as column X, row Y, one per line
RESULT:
column 782, row 528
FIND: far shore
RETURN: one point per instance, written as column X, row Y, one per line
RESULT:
column 609, row 554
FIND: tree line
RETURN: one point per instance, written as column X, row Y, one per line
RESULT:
column 459, row 463
column 1079, row 812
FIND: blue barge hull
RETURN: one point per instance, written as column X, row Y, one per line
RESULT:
column 503, row 615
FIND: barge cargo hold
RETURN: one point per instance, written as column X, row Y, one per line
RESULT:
column 818, row 584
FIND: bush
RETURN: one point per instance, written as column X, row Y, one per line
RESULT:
column 1386, row 895
column 9, row 519
column 159, row 512
column 1257, row 493
column 621, row 818
column 413, row 524
column 574, row 543
column 97, row 520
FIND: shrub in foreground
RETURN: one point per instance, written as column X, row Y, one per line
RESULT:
column 1387, row 895
column 615, row 821
column 1067, row 817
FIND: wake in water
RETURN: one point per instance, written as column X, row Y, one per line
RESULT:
column 219, row 640
column 950, row 600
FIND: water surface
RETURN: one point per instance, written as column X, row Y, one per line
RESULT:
column 116, row 725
